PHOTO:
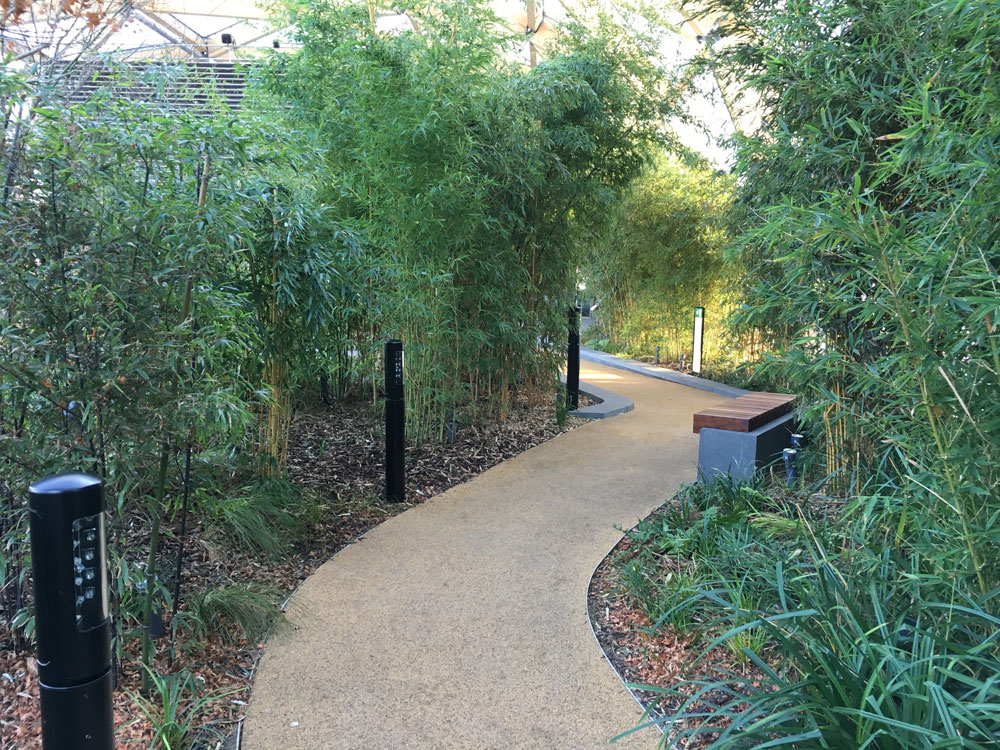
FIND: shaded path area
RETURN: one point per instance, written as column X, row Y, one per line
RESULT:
column 462, row 623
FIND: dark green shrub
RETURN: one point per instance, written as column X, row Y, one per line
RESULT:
column 852, row 665
column 866, row 206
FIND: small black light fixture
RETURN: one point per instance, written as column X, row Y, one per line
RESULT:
column 790, row 456
column 228, row 39
column 276, row 44
column 699, row 336
column 156, row 622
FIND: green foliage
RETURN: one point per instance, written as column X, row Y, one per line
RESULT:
column 865, row 648
column 747, row 638
column 854, row 669
column 562, row 410
column 748, row 374
column 702, row 548
column 169, row 276
column 98, row 265
column 469, row 182
column 865, row 219
column 661, row 258
column 247, row 611
column 265, row 519
column 663, row 596
column 174, row 707
column 866, row 207
column 120, row 336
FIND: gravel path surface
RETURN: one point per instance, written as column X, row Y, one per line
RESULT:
column 462, row 623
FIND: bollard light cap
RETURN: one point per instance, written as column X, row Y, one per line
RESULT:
column 61, row 483
column 73, row 494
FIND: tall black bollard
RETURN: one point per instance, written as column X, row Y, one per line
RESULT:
column 73, row 628
column 395, row 430
column 657, row 355
column 573, row 360
column 699, row 335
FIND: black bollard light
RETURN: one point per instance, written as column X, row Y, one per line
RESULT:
column 699, row 335
column 573, row 360
column 395, row 429
column 657, row 355
column 72, row 625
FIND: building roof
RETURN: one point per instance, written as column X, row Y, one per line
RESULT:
column 210, row 32
column 202, row 85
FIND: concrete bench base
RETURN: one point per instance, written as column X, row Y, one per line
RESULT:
column 739, row 454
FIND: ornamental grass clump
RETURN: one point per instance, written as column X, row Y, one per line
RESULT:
column 851, row 665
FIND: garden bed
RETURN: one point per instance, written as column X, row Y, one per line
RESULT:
column 336, row 456
column 665, row 599
column 646, row 655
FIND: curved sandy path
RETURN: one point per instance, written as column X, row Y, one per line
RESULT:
column 462, row 623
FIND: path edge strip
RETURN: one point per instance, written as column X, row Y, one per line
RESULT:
column 609, row 404
column 660, row 373
column 590, row 624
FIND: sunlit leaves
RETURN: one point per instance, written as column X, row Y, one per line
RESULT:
column 470, row 184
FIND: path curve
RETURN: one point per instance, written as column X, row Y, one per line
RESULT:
column 462, row 623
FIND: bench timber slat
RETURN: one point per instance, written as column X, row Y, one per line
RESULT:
column 745, row 413
column 743, row 434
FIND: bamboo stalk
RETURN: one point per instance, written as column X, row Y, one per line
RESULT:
column 532, row 52
column 154, row 542
column 930, row 408
column 180, row 546
column 161, row 481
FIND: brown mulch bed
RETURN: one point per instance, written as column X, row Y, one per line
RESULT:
column 644, row 655
column 345, row 453
column 338, row 455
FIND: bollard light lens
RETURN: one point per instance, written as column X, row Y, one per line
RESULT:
column 91, row 588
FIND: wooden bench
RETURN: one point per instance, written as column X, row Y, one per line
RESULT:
column 743, row 434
